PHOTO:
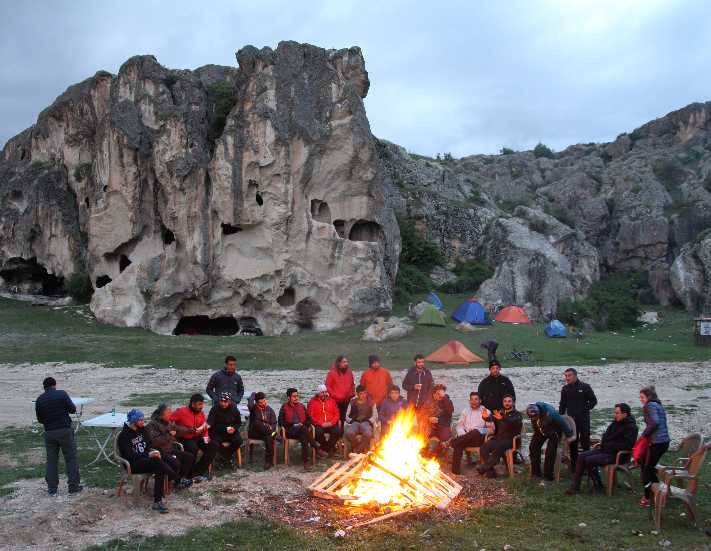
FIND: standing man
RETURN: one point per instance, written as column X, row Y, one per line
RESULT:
column 192, row 431
column 472, row 427
column 493, row 388
column 547, row 425
column 324, row 416
column 52, row 408
column 341, row 385
column 262, row 425
column 507, row 426
column 293, row 417
column 577, row 399
column 418, row 382
column 376, row 380
column 226, row 380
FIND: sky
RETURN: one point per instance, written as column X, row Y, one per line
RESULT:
column 446, row 77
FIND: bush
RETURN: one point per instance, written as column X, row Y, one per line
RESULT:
column 542, row 150
column 224, row 95
column 82, row 171
column 79, row 287
column 470, row 275
column 410, row 281
column 416, row 250
column 507, row 151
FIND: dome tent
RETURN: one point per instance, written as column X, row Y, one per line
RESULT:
column 431, row 316
column 471, row 311
column 453, row 353
column 434, row 300
column 512, row 314
column 555, row 328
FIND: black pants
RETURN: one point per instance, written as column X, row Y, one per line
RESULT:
column 590, row 460
column 551, row 450
column 302, row 433
column 181, row 462
column 157, row 467
column 264, row 433
column 233, row 441
column 471, row 439
column 582, row 427
column 343, row 409
column 209, row 451
column 321, row 432
column 649, row 471
column 63, row 439
column 493, row 450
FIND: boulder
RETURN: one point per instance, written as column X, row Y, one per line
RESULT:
column 385, row 330
column 440, row 276
column 650, row 318
column 465, row 327
column 691, row 275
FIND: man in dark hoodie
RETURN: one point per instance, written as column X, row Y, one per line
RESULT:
column 134, row 446
column 437, row 412
column 548, row 425
column 161, row 433
column 418, row 382
column 620, row 435
column 293, row 417
column 493, row 388
column 577, row 399
column 262, row 425
column 226, row 380
column 224, row 421
column 507, row 425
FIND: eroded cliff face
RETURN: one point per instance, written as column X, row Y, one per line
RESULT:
column 197, row 200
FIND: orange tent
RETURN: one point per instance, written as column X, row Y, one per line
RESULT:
column 455, row 353
column 512, row 314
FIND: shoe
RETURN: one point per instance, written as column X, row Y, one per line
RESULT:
column 320, row 453
column 307, row 466
column 198, row 479
column 158, row 506
column 76, row 490
column 52, row 493
column 184, row 483
column 571, row 490
column 644, row 502
column 267, row 466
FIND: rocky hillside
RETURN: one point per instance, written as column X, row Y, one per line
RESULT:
column 199, row 201
column 554, row 223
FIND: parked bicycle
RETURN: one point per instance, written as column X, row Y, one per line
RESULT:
column 525, row 356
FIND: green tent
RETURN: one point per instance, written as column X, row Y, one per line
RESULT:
column 431, row 316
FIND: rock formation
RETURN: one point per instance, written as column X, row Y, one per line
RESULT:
column 196, row 199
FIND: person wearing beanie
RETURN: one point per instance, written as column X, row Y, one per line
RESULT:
column 324, row 416
column 193, row 433
column 376, row 380
column 418, row 382
column 224, row 421
column 294, row 419
column 548, row 425
column 52, row 409
column 341, row 384
column 493, row 388
column 262, row 425
column 134, row 446
column 162, row 434
column 360, row 421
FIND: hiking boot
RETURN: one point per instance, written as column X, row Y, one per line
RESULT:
column 184, row 483
column 158, row 506
column 52, row 492
column 199, row 478
column 75, row 490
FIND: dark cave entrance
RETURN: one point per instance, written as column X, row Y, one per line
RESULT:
column 204, row 325
column 27, row 276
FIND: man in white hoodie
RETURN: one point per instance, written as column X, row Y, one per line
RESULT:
column 473, row 425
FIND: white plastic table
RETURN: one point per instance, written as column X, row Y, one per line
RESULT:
column 110, row 421
column 79, row 402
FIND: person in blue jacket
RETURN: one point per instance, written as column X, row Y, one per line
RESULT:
column 548, row 425
column 655, row 421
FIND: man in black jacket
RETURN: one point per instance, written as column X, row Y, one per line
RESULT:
column 226, row 380
column 620, row 435
column 507, row 425
column 418, row 382
column 224, row 420
column 52, row 408
column 577, row 399
column 262, row 425
column 134, row 446
column 493, row 388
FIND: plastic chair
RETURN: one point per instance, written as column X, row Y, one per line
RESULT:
column 622, row 464
column 287, row 444
column 511, row 452
column 251, row 442
column 138, row 481
column 686, row 449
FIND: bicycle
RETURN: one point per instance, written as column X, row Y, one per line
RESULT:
column 525, row 356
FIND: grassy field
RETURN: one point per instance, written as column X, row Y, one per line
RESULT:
column 43, row 334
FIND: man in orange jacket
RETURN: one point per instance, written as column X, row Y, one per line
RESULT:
column 376, row 380
column 324, row 416
column 341, row 384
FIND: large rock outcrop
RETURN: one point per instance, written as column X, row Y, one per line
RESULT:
column 691, row 275
column 194, row 199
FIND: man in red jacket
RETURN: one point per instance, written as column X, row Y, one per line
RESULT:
column 293, row 417
column 341, row 384
column 192, row 433
column 324, row 415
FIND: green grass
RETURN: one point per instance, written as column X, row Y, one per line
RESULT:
column 42, row 334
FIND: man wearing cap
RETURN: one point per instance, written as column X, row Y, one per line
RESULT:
column 376, row 380
column 226, row 380
column 324, row 416
column 493, row 388
column 193, row 433
column 547, row 425
column 224, row 421
column 262, row 425
column 134, row 446
column 52, row 408
column 294, row 419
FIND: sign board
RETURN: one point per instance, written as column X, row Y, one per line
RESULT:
column 705, row 328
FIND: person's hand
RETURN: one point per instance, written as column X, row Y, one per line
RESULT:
column 230, row 430
column 418, row 387
column 433, row 420
column 154, row 453
column 498, row 415
column 297, row 425
column 173, row 433
column 327, row 425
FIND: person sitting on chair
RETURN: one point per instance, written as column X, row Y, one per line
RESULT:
column 134, row 446
column 507, row 426
column 193, row 433
column 438, row 413
column 548, row 425
column 390, row 407
column 262, row 425
column 471, row 428
column 293, row 417
column 620, row 435
column 224, row 421
column 360, row 421
column 324, row 416
column 161, row 433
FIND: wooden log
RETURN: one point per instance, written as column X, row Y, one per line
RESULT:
column 380, row 518
column 332, row 474
column 418, row 488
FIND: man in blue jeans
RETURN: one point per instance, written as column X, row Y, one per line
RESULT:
column 52, row 408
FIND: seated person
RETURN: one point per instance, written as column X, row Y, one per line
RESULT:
column 192, row 432
column 507, row 426
column 293, row 417
column 471, row 428
column 262, row 425
column 161, row 433
column 324, row 416
column 390, row 407
column 134, row 446
column 438, row 411
column 360, row 421
column 548, row 425
column 620, row 435
column 224, row 421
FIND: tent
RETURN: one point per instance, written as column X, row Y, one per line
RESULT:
column 555, row 328
column 431, row 316
column 512, row 314
column 471, row 311
column 454, row 353
column 433, row 299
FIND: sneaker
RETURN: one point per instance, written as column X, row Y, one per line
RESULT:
column 198, row 479
column 76, row 490
column 644, row 502
column 158, row 506
column 184, row 483
column 52, row 493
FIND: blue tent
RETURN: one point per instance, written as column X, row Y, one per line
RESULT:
column 471, row 312
column 555, row 329
column 434, row 300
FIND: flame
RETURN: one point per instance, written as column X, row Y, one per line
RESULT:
column 399, row 453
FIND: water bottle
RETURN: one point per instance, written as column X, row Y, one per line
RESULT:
column 113, row 411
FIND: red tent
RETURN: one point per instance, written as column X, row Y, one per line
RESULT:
column 512, row 314
column 454, row 353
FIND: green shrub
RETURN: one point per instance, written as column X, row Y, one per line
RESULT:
column 507, row 151
column 470, row 275
column 82, row 171
column 560, row 213
column 410, row 281
column 79, row 287
column 225, row 99
column 542, row 150
column 416, row 249
column 573, row 312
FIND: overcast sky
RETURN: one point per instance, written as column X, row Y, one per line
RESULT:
column 460, row 77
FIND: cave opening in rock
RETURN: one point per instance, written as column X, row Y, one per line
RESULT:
column 102, row 281
column 167, row 235
column 288, row 297
column 365, row 230
column 28, row 276
column 340, row 227
column 205, row 325
column 124, row 262
column 306, row 312
column 229, row 229
column 320, row 211
column 86, row 202
column 258, row 199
